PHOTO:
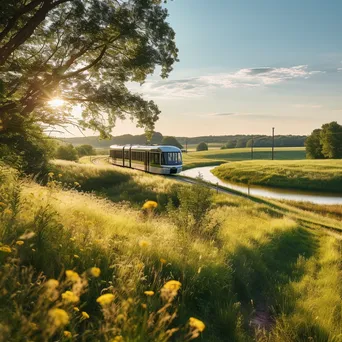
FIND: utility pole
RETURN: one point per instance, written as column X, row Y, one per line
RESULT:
column 272, row 143
column 252, row 147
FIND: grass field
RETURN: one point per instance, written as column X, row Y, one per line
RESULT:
column 217, row 157
column 315, row 175
column 240, row 261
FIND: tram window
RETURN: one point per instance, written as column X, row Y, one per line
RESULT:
column 155, row 158
column 171, row 158
column 138, row 156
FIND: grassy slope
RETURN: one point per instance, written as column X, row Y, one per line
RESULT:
column 260, row 258
column 320, row 175
column 216, row 157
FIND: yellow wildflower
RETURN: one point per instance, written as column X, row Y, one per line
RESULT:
column 150, row 205
column 70, row 297
column 72, row 239
column 196, row 324
column 5, row 249
column 3, row 205
column 51, row 174
column 118, row 339
column 67, row 333
column 105, row 299
column 144, row 306
column 172, row 285
column 72, row 276
column 76, row 256
column 77, row 184
column 149, row 293
column 163, row 261
column 20, row 242
column 59, row 317
column 60, row 175
column 85, row 315
column 95, row 272
column 144, row 244
column 8, row 211
column 52, row 283
column 76, row 309
column 33, row 326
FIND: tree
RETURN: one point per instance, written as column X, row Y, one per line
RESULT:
column 67, row 152
column 313, row 145
column 84, row 52
column 171, row 141
column 331, row 140
column 85, row 150
column 202, row 147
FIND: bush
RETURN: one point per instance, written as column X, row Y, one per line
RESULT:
column 85, row 150
column 171, row 141
column 202, row 147
column 67, row 152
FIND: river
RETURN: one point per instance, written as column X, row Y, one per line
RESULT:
column 255, row 190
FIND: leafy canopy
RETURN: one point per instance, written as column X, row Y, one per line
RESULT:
column 84, row 52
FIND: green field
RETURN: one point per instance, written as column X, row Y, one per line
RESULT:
column 315, row 175
column 216, row 157
column 236, row 260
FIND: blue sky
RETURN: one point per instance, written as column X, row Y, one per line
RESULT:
column 248, row 65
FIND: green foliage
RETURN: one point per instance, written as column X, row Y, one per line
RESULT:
column 171, row 141
column 313, row 145
column 202, row 147
column 331, row 140
column 85, row 150
column 66, row 152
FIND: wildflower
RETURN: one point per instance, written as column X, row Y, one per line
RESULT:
column 172, row 285
column 59, row 317
column 72, row 276
column 8, row 212
column 105, row 299
column 5, row 249
column 70, row 297
column 76, row 256
column 150, row 205
column 67, row 334
column 3, row 205
column 120, row 317
column 20, row 242
column 196, row 324
column 77, row 184
column 144, row 244
column 33, row 250
column 85, row 315
column 76, row 309
column 144, row 306
column 52, row 284
column 95, row 272
column 163, row 261
column 118, row 339
column 51, row 174
column 60, row 175
column 72, row 239
column 149, row 293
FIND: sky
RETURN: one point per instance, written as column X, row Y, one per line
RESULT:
column 247, row 66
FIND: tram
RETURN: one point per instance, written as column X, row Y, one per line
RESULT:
column 164, row 160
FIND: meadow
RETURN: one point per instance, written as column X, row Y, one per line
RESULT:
column 199, row 265
column 315, row 175
column 217, row 157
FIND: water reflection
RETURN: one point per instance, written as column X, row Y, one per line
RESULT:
column 276, row 193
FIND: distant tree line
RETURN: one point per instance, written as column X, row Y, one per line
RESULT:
column 325, row 142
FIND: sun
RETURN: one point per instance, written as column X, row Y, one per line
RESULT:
column 56, row 102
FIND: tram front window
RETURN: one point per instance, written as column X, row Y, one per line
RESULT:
column 171, row 158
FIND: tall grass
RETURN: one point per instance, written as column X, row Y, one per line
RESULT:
column 257, row 260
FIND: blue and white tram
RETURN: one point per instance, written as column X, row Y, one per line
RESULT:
column 163, row 160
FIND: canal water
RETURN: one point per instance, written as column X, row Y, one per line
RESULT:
column 255, row 190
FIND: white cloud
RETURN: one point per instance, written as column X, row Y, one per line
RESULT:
column 307, row 105
column 243, row 78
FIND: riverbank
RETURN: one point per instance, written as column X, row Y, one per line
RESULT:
column 311, row 175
